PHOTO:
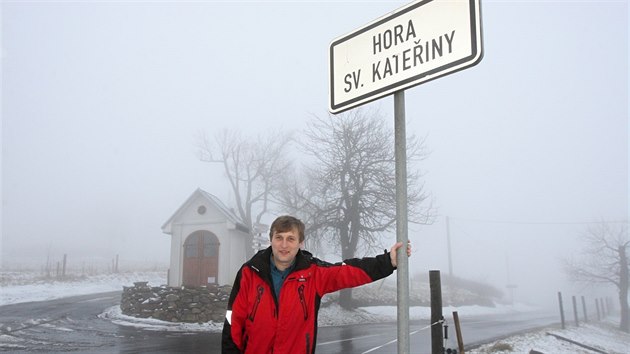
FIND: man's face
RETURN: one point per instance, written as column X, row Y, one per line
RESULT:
column 285, row 246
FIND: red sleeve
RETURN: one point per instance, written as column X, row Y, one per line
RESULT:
column 352, row 272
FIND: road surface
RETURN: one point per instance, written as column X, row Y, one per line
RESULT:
column 72, row 325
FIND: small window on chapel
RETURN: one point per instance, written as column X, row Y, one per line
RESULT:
column 201, row 210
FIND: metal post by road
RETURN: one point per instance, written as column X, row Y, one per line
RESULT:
column 400, row 142
column 584, row 309
column 435, row 290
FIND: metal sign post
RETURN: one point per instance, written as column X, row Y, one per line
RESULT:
column 419, row 42
column 402, row 274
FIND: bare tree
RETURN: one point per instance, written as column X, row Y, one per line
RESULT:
column 604, row 260
column 347, row 193
column 253, row 168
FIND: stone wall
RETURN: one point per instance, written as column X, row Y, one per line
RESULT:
column 185, row 304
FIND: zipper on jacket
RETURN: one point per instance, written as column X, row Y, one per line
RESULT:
column 308, row 343
column 303, row 301
column 258, row 297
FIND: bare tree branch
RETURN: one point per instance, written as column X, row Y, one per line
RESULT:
column 347, row 190
column 251, row 166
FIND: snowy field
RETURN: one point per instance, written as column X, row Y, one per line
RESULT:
column 24, row 287
column 17, row 288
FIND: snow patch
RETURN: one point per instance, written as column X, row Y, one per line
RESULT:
column 115, row 315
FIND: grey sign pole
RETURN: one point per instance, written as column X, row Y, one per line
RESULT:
column 400, row 142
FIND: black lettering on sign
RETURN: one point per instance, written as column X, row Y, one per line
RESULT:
column 390, row 38
column 450, row 41
column 406, row 59
column 422, row 52
column 437, row 47
column 417, row 54
column 376, row 73
column 388, row 68
column 352, row 81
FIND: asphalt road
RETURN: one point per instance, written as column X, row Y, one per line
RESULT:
column 382, row 338
column 72, row 325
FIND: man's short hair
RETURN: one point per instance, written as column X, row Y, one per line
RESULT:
column 286, row 223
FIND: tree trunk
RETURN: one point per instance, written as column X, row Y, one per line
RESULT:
column 345, row 299
column 624, row 323
column 345, row 295
column 249, row 245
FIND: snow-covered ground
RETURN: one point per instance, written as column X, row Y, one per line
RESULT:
column 19, row 287
column 604, row 336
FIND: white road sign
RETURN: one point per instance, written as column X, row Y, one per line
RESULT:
column 417, row 43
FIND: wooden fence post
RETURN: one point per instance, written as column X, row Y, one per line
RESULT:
column 599, row 317
column 63, row 272
column 575, row 314
column 458, row 333
column 584, row 309
column 561, row 309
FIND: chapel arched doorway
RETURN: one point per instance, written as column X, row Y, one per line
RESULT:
column 201, row 259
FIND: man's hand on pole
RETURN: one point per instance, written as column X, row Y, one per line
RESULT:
column 393, row 254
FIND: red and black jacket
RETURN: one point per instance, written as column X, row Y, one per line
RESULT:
column 257, row 323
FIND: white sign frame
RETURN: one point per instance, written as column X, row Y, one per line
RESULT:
column 419, row 42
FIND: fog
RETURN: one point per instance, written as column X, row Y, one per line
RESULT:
column 102, row 100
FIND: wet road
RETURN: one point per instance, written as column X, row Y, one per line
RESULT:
column 382, row 338
column 72, row 325
column 69, row 324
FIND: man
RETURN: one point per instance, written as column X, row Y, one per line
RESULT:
column 276, row 295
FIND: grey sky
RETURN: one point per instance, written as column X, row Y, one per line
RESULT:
column 101, row 102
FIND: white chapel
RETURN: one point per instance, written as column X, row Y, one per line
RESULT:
column 208, row 242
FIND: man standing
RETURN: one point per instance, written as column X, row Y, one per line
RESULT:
column 276, row 295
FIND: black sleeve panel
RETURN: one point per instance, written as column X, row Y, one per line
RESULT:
column 227, row 344
column 376, row 267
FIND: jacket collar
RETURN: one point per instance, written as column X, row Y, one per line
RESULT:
column 261, row 263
